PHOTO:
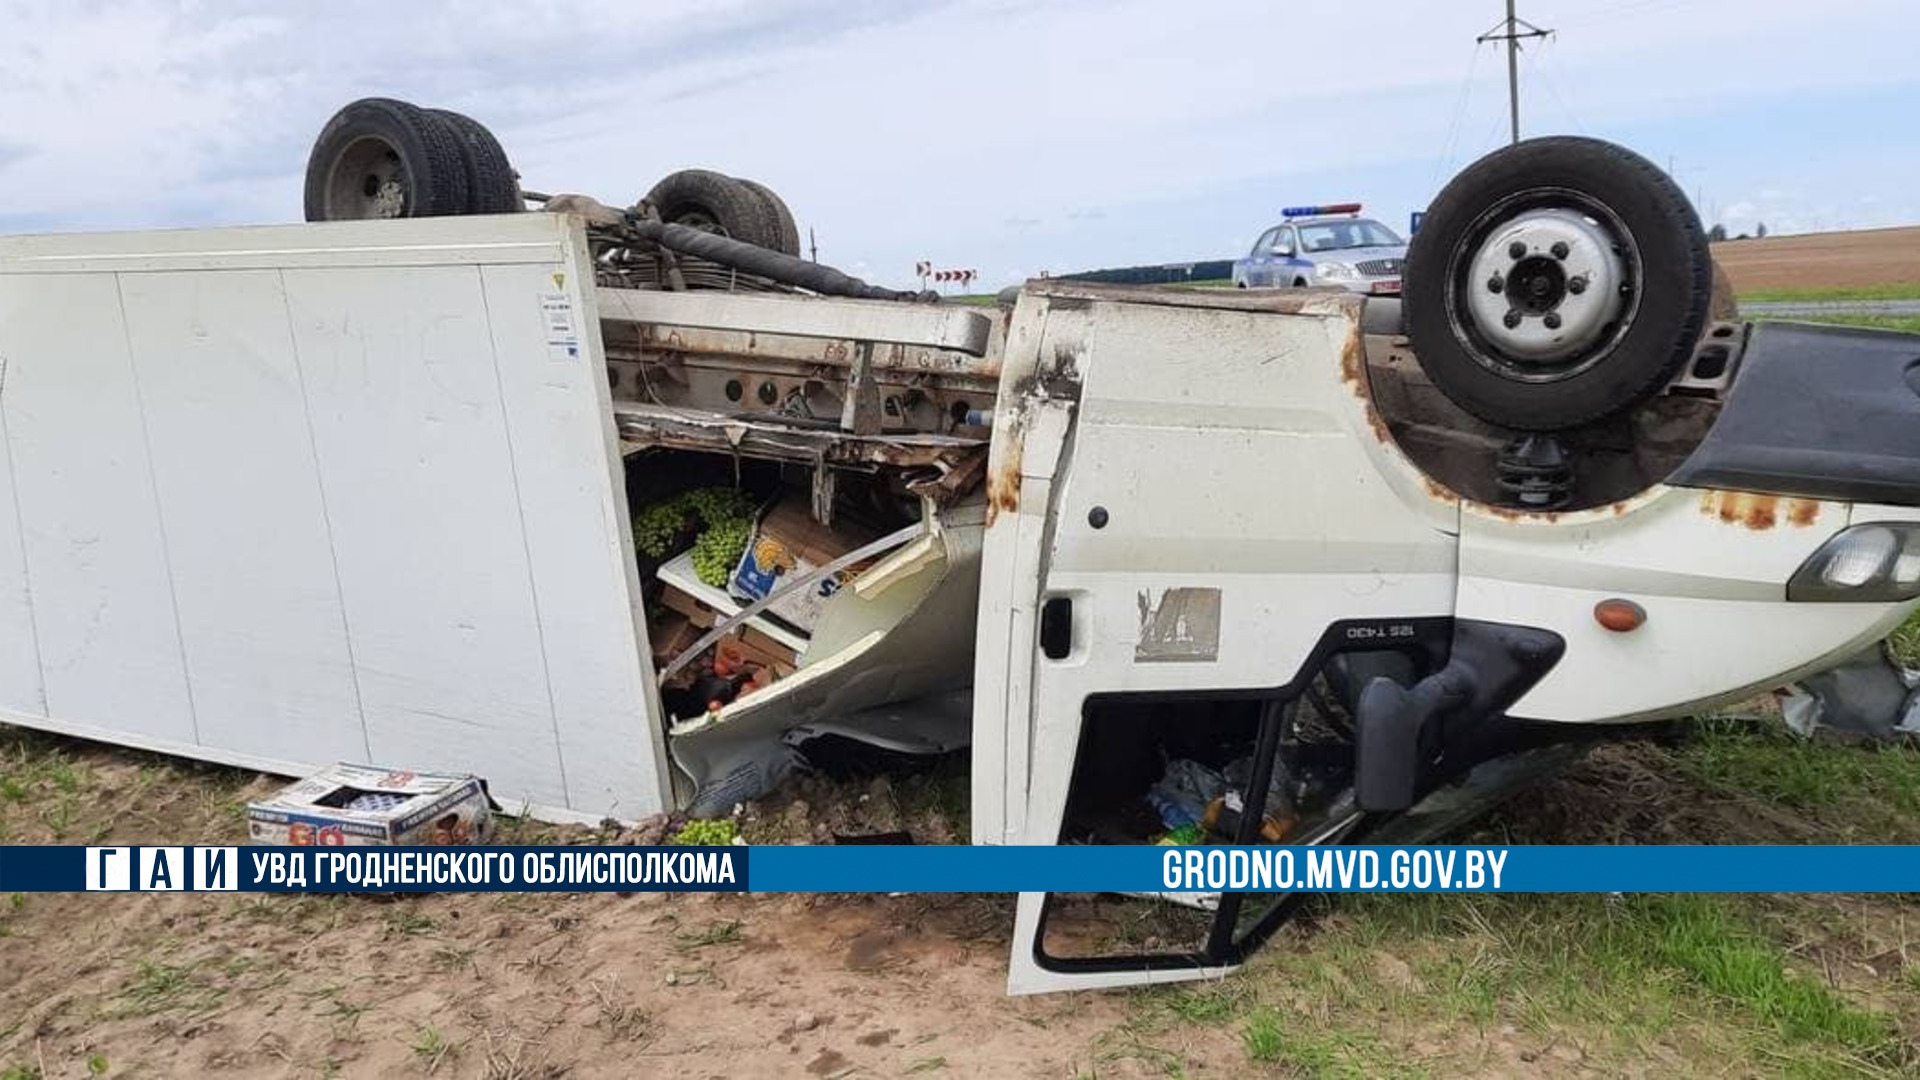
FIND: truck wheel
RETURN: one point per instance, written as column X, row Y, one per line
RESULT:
column 492, row 185
column 718, row 204
column 783, row 218
column 380, row 158
column 1557, row 282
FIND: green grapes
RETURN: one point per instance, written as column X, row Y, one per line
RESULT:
column 718, row 550
column 706, row 833
column 725, row 515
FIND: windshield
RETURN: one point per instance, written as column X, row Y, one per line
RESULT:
column 1338, row 235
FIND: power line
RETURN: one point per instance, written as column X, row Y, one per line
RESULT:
column 1512, row 36
column 1459, row 111
column 1544, row 64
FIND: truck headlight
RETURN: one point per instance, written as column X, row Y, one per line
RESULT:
column 1877, row 562
column 1335, row 271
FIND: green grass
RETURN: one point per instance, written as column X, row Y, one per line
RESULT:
column 1263, row 1037
column 1908, row 323
column 163, row 988
column 1908, row 290
column 1371, row 988
column 1767, row 763
column 719, row 933
column 1699, row 935
column 431, row 1048
column 408, row 924
column 1906, row 642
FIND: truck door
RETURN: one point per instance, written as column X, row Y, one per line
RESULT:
column 1190, row 539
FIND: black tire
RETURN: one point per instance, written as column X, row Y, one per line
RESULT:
column 383, row 158
column 1635, row 339
column 719, row 204
column 492, row 185
column 783, row 222
column 1299, row 283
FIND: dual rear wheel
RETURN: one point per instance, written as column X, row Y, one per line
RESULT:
column 382, row 158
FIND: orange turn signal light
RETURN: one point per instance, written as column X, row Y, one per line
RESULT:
column 1619, row 615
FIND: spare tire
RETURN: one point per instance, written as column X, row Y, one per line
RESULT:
column 380, row 158
column 492, row 185
column 1557, row 282
column 718, row 204
column 784, row 225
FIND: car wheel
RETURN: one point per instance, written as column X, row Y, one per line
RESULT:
column 718, row 204
column 380, row 158
column 1555, row 283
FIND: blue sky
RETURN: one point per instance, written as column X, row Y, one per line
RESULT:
column 1007, row 137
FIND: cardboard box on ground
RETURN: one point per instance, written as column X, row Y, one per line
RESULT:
column 366, row 806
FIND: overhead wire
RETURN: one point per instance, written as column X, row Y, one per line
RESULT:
column 1543, row 65
column 1445, row 161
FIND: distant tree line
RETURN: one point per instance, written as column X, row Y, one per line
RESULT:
column 1718, row 233
column 1164, row 274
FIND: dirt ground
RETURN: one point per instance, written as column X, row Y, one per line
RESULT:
column 599, row 985
column 1840, row 260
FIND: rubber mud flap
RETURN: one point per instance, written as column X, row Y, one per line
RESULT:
column 1389, row 722
column 1407, row 740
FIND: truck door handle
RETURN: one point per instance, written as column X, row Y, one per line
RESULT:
column 1056, row 628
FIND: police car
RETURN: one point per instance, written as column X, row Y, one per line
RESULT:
column 1325, row 245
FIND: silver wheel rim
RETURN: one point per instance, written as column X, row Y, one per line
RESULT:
column 1543, row 286
column 367, row 180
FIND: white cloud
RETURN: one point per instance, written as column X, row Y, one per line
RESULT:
column 974, row 131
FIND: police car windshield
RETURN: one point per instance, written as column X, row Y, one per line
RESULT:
column 1339, row 235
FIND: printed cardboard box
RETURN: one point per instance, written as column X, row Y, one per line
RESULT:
column 788, row 542
column 366, row 806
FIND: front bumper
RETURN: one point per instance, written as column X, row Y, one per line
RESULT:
column 1370, row 286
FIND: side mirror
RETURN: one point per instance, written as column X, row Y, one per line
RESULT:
column 1283, row 248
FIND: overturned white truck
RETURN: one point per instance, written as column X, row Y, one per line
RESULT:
column 365, row 490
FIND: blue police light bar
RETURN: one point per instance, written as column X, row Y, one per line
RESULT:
column 1333, row 208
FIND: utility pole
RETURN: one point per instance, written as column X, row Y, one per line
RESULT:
column 1513, row 24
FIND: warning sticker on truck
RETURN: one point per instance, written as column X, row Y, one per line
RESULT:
column 563, row 337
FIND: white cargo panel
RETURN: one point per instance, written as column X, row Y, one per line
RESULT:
column 291, row 495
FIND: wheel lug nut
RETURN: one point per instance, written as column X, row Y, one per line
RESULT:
column 1496, row 283
column 1577, row 285
column 1552, row 319
column 1512, row 320
column 1559, row 249
column 1517, row 250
